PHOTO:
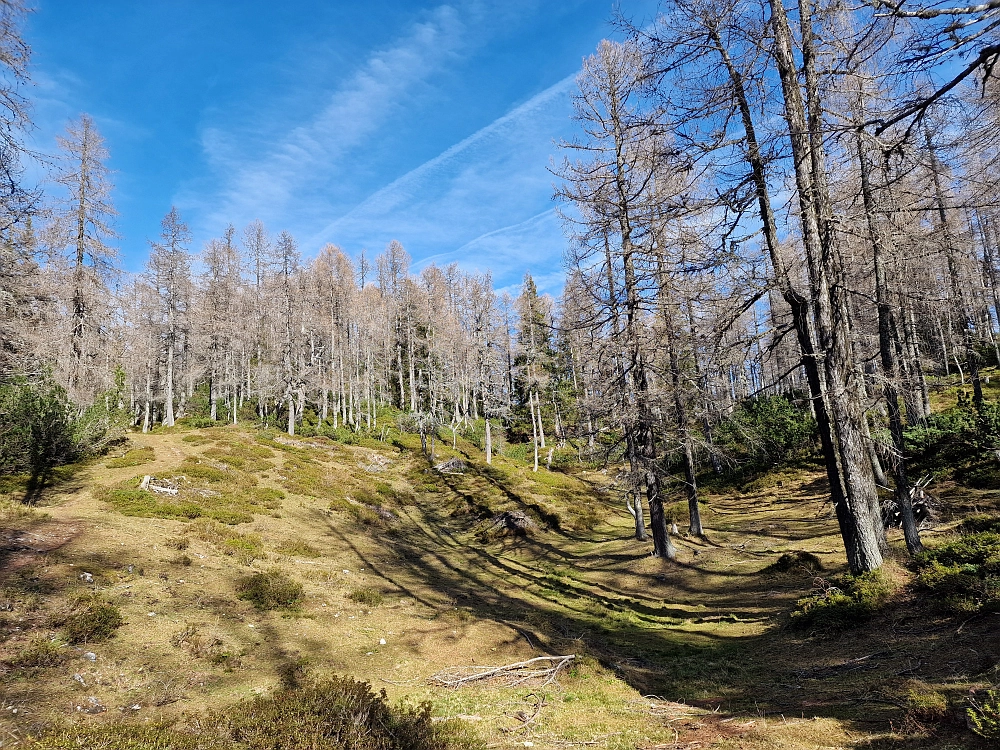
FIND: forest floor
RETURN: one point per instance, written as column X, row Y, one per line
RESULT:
column 403, row 579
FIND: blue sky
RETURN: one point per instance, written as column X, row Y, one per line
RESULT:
column 345, row 122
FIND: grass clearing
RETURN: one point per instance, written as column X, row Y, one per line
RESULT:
column 709, row 637
column 133, row 457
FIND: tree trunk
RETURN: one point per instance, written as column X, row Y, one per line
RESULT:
column 887, row 351
column 534, row 429
column 824, row 264
column 635, row 508
column 212, row 396
column 169, row 395
column 962, row 304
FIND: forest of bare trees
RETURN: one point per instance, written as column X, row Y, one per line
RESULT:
column 769, row 210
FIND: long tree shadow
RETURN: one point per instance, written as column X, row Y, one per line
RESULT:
column 633, row 635
column 682, row 631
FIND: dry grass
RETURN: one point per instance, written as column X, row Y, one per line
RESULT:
column 705, row 637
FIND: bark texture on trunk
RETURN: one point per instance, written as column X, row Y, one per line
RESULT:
column 848, row 462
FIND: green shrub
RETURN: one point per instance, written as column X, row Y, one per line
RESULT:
column 365, row 514
column 36, row 426
column 852, row 601
column 341, row 435
column 245, row 547
column 925, row 704
column 795, row 561
column 93, row 620
column 370, row 597
column 961, row 442
column 973, row 524
column 337, row 713
column 270, row 590
column 112, row 736
column 939, row 432
column 298, row 547
column 243, row 456
column 38, row 654
column 131, row 501
column 766, row 429
column 194, row 469
column 266, row 497
column 965, row 573
column 984, row 716
column 231, row 505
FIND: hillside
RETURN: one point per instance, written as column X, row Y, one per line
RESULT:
column 403, row 576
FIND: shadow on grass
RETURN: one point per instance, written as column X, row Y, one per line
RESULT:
column 36, row 487
column 716, row 638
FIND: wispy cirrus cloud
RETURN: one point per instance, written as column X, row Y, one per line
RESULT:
column 477, row 202
column 484, row 202
column 287, row 178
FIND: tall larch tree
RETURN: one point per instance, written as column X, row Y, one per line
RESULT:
column 169, row 272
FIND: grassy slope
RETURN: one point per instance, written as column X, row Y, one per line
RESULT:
column 692, row 652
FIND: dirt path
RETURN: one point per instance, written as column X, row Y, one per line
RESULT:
column 23, row 547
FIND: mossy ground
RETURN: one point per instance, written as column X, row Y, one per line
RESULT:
column 696, row 653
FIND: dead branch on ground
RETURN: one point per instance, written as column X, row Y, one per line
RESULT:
column 545, row 668
column 525, row 719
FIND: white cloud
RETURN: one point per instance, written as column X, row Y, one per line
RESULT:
column 484, row 202
column 476, row 203
column 307, row 155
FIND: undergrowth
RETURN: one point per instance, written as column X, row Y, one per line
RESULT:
column 92, row 619
column 39, row 653
column 298, row 548
column 984, row 715
column 244, row 547
column 844, row 602
column 964, row 574
column 270, row 590
column 368, row 596
column 333, row 714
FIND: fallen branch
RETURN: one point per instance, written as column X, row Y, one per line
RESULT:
column 545, row 668
column 378, row 463
column 527, row 721
column 451, row 466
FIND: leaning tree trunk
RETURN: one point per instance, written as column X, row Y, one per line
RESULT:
column 797, row 302
column 827, row 290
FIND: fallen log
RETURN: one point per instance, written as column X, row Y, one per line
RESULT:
column 163, row 489
column 451, row 466
column 545, row 668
